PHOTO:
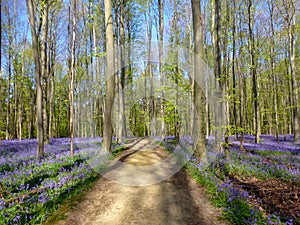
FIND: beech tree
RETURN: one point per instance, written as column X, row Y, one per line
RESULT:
column 110, row 77
column 289, row 14
column 72, row 76
column 161, row 52
column 199, row 96
column 44, row 65
column 250, row 46
column 38, row 78
column 253, row 69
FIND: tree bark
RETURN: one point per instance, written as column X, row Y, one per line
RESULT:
column 8, row 108
column 122, row 131
column 161, row 52
column 253, row 62
column 199, row 96
column 219, row 80
column 20, row 102
column 44, row 69
column 233, row 68
column 72, row 79
column 290, row 9
column 51, row 75
column 110, row 77
column 273, row 74
column 39, row 91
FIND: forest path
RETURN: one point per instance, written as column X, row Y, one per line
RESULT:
column 176, row 200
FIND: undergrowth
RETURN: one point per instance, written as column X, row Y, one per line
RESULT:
column 233, row 201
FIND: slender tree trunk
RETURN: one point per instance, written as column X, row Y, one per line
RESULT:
column 176, row 69
column 72, row 79
column 253, row 57
column 8, row 110
column 91, row 73
column 122, row 78
column 191, row 81
column 273, row 74
column 39, row 91
column 225, row 91
column 291, row 9
column 217, row 69
column 222, row 80
column 148, row 72
column 214, row 47
column 199, row 96
column 118, row 120
column 52, row 78
column 241, row 90
column 20, row 102
column 110, row 77
column 161, row 52
column 233, row 68
column 44, row 69
column 15, row 100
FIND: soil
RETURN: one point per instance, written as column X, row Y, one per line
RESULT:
column 273, row 195
column 175, row 200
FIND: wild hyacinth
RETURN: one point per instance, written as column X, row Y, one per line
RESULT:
column 269, row 159
column 35, row 183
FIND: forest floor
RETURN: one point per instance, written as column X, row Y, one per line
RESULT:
column 175, row 200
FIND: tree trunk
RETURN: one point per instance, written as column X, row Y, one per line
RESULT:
column 199, row 96
column 219, row 80
column 273, row 74
column 44, row 69
column 72, row 79
column 8, row 110
column 253, row 62
column 233, row 69
column 20, row 102
column 51, row 76
column 110, row 77
column 39, row 91
column 225, row 80
column 161, row 52
column 291, row 20
column 122, row 78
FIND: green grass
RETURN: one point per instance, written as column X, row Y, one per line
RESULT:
column 116, row 152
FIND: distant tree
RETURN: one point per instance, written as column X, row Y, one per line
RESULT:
column 289, row 15
column 11, row 43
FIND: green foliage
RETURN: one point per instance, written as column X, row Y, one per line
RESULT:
column 137, row 120
column 116, row 151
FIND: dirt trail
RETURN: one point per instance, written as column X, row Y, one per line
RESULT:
column 177, row 200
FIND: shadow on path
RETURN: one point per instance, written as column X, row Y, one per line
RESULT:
column 177, row 200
